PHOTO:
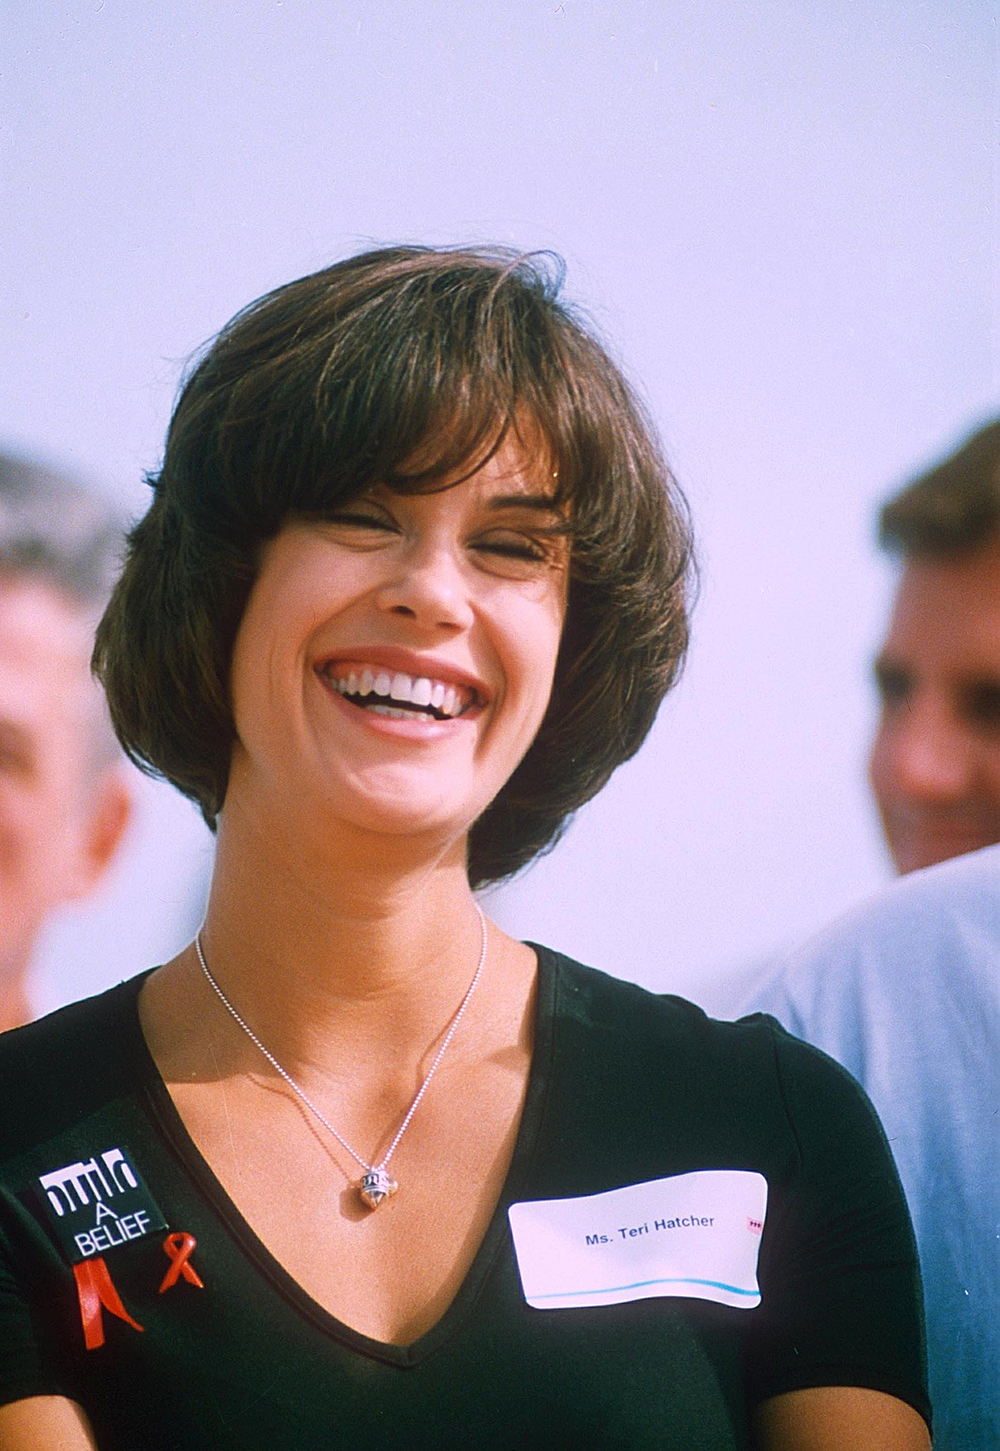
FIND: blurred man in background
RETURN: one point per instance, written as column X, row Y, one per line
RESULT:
column 64, row 801
column 935, row 763
column 904, row 991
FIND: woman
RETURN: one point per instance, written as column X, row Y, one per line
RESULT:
column 356, row 1168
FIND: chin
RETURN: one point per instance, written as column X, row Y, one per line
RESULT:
column 916, row 855
column 410, row 819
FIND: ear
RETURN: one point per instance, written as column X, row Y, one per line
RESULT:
column 106, row 816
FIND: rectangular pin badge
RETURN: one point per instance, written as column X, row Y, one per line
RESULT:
column 98, row 1204
column 694, row 1235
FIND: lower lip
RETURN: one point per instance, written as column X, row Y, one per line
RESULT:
column 418, row 729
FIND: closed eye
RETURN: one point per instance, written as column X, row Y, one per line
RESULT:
column 512, row 554
column 17, row 755
column 359, row 520
column 513, row 548
column 981, row 704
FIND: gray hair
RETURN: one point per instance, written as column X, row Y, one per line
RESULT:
column 57, row 531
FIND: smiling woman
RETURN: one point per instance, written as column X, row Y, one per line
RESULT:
column 403, row 371
column 355, row 1167
column 455, row 597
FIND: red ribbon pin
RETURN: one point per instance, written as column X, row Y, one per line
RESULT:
column 95, row 1289
column 179, row 1248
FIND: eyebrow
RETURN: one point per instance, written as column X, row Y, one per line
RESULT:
column 541, row 503
column 886, row 660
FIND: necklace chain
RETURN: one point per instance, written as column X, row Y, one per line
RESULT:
column 301, row 1093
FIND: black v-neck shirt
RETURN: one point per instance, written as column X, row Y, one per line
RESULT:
column 624, row 1087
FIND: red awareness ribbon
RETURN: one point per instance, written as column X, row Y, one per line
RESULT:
column 95, row 1288
column 179, row 1248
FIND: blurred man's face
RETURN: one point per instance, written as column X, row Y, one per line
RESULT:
column 935, row 762
column 60, row 814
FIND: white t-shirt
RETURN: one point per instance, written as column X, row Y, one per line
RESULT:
column 904, row 991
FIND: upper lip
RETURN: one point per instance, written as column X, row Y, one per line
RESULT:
column 391, row 657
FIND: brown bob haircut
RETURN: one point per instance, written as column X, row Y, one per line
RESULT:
column 407, row 367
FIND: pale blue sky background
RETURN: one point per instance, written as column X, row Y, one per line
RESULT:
column 783, row 216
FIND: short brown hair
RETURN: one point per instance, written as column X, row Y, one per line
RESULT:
column 403, row 366
column 951, row 509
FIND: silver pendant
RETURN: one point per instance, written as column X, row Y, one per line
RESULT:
column 376, row 1186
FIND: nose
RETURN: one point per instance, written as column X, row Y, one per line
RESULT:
column 924, row 754
column 428, row 585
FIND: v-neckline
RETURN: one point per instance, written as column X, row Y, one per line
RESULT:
column 168, row 1120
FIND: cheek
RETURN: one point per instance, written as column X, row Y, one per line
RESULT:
column 537, row 639
column 539, row 669
column 36, row 825
column 19, row 821
column 879, row 760
column 256, row 670
column 992, row 772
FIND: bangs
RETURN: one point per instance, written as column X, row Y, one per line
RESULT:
column 411, row 378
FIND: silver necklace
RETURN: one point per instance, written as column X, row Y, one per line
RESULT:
column 375, row 1185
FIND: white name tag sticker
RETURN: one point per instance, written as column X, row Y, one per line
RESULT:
column 694, row 1235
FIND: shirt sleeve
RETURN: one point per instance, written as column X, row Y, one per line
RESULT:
column 841, row 1300
column 23, row 1368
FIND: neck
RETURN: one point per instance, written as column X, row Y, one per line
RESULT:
column 350, row 947
column 15, row 1007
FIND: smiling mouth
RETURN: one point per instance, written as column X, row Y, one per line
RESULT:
column 400, row 696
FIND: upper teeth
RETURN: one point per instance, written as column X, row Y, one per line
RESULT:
column 417, row 690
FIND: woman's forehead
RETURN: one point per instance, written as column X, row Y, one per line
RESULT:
column 519, row 461
column 497, row 484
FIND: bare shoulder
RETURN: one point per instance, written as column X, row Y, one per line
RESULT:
column 838, row 1418
column 45, row 1423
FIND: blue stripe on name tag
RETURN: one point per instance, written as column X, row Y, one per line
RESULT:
column 641, row 1285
